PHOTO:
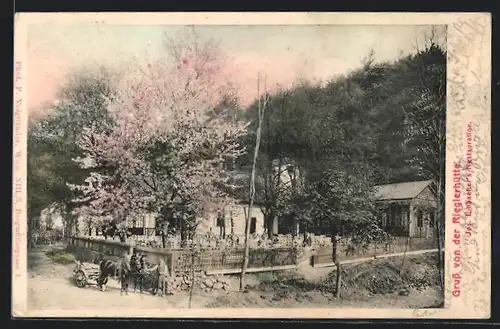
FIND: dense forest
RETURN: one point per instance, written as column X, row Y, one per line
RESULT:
column 380, row 124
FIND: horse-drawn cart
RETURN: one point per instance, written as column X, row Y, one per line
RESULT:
column 86, row 273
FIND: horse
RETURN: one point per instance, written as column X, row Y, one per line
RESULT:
column 119, row 269
column 138, row 270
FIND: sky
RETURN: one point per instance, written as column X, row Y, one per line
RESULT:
column 284, row 53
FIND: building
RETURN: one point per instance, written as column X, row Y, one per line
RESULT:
column 232, row 220
column 142, row 224
column 50, row 218
column 407, row 209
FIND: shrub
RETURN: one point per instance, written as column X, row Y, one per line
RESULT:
column 60, row 256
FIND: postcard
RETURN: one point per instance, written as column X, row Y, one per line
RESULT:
column 246, row 165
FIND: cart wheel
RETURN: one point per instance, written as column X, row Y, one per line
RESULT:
column 80, row 279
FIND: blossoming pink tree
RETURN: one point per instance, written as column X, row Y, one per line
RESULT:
column 165, row 145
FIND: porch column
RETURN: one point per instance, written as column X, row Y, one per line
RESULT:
column 411, row 221
column 428, row 224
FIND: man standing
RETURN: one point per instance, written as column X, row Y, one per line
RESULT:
column 162, row 271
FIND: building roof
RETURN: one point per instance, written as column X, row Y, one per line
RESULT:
column 400, row 191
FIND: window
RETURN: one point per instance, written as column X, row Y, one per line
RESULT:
column 407, row 217
column 398, row 221
column 431, row 219
column 253, row 225
column 385, row 216
column 420, row 216
column 392, row 219
column 136, row 230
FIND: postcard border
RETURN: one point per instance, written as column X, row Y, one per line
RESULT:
column 477, row 300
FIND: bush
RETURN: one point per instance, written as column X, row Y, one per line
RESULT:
column 60, row 256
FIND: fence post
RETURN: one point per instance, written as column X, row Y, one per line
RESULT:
column 339, row 280
column 173, row 255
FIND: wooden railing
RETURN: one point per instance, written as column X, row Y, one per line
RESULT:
column 181, row 260
column 397, row 245
column 213, row 259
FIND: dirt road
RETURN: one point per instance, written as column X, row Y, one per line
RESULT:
column 50, row 287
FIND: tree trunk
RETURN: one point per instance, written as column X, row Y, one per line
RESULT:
column 192, row 278
column 183, row 232
column 252, row 182
column 163, row 240
column 246, row 254
column 338, row 283
column 334, row 249
column 440, row 219
column 439, row 235
column 77, row 227
column 269, row 225
column 334, row 244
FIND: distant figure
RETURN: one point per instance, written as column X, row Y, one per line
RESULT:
column 307, row 240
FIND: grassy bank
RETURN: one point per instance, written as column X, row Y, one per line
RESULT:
column 378, row 281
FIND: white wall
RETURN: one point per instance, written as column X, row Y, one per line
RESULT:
column 147, row 220
column 207, row 223
column 424, row 199
column 238, row 214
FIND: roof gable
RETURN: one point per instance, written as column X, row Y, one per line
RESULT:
column 400, row 191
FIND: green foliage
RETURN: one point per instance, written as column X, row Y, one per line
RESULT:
column 60, row 256
column 382, row 123
column 377, row 125
column 52, row 140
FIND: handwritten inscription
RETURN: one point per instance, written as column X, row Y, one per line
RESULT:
column 18, row 157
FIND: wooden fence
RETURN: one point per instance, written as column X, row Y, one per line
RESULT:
column 180, row 260
column 216, row 259
column 398, row 245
